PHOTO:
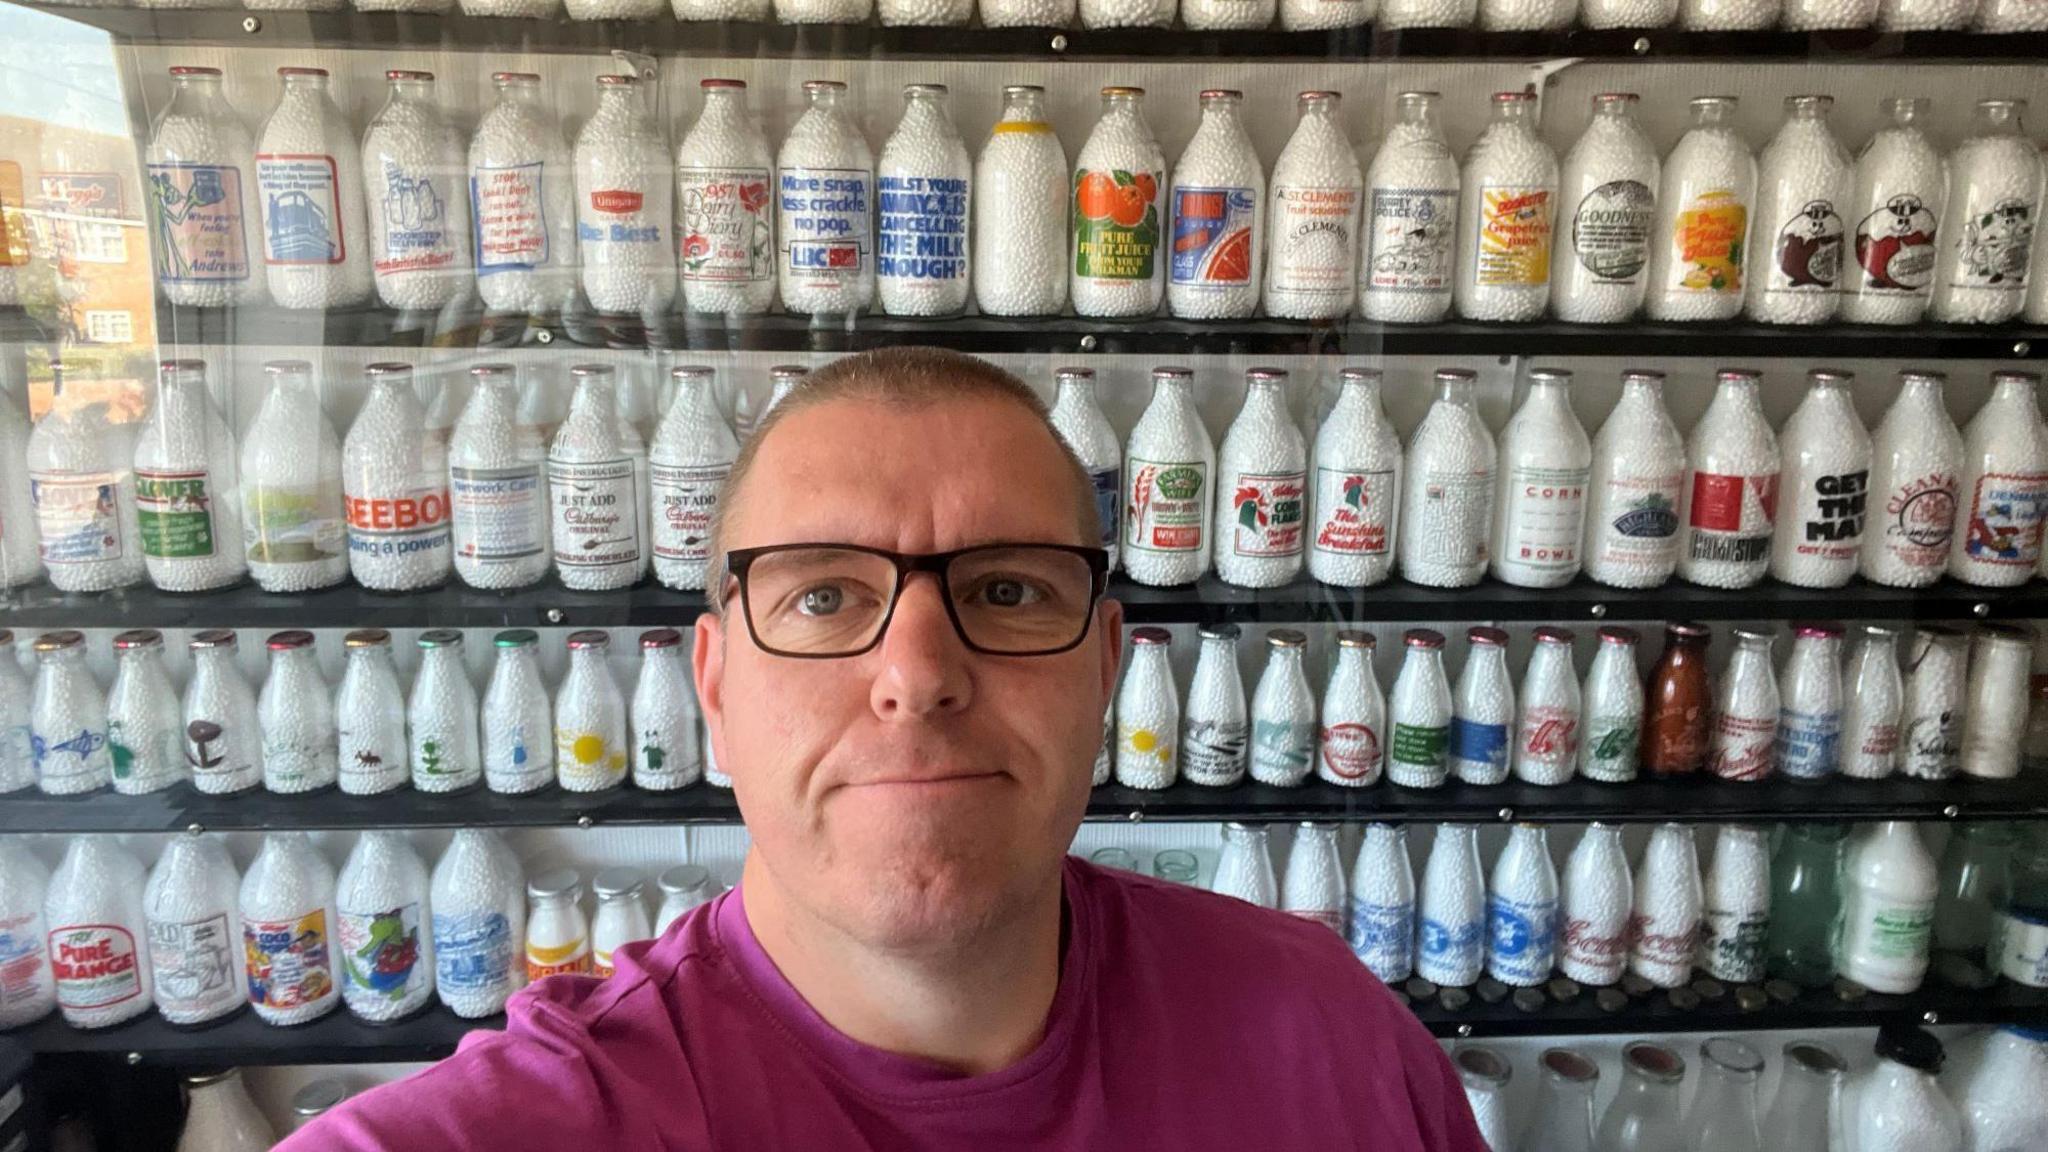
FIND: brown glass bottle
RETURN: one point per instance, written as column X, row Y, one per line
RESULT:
column 1675, row 710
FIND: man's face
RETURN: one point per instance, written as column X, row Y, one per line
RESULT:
column 916, row 792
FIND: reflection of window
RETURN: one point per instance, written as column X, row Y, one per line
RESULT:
column 109, row 326
column 100, row 243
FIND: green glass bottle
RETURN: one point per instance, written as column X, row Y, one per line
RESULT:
column 1805, row 897
column 1976, row 875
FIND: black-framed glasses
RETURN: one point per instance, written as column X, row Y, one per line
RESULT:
column 819, row 601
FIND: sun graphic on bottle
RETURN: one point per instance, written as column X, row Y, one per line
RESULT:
column 588, row 748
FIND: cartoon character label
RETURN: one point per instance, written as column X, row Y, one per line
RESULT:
column 287, row 960
column 415, row 215
column 1351, row 751
column 1212, row 237
column 2006, row 513
column 1643, row 518
column 63, row 759
column 174, row 512
column 829, row 213
column 472, row 951
column 1116, row 224
column 923, row 229
column 1611, row 231
column 380, row 950
column 193, row 962
column 685, row 496
column 724, row 234
column 1268, row 514
column 197, row 215
column 76, row 520
column 1919, row 519
column 1992, row 251
column 1514, row 236
column 511, row 218
column 498, row 508
column 1314, row 239
column 95, row 965
column 1353, row 510
column 301, row 209
column 1706, row 244
column 1808, row 253
column 286, row 525
column 1895, row 247
column 1166, row 502
column 1409, row 235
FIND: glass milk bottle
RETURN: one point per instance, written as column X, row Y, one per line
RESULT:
column 395, row 481
column 384, row 928
column 822, row 11
column 1547, row 728
column 1612, row 702
column 1245, row 867
column 824, row 219
column 557, row 933
column 1995, row 716
column 1564, row 1108
column 621, row 917
column 1447, row 502
column 725, row 210
column 1540, row 504
column 1823, row 487
column 1911, row 509
column 1884, row 931
column 187, row 491
column 2003, row 487
column 2002, row 1095
column 414, row 179
column 1747, row 706
column 291, row 486
column 1594, row 914
column 1632, row 492
column 1405, row 270
column 1664, row 925
column 1020, row 209
column 1893, row 218
column 687, row 464
column 203, row 207
column 683, row 887
column 1926, row 15
column 1357, row 465
column 1354, row 716
column 1703, row 209
column 1526, row 15
column 1819, row 15
column 1521, row 910
column 1147, row 714
column 1810, row 713
column 191, row 908
column 1035, row 14
column 224, row 737
column 624, row 203
column 309, row 177
column 28, row 990
column 296, row 710
column 1643, row 1117
column 441, row 717
column 1283, row 714
column 1729, row 498
column 1610, row 184
column 1802, row 1115
column 145, row 728
column 1313, row 886
column 478, row 904
column 1382, row 927
column 1976, row 881
column 17, row 748
column 1221, row 15
column 1169, row 462
column 1077, row 417
column 1723, row 1115
column 1261, row 482
column 1988, row 223
column 1738, row 905
column 369, row 716
column 20, row 561
column 97, row 933
column 1427, row 13
column 1120, row 261
column 1218, row 223
column 82, row 484
column 1451, row 910
column 220, row 1116
column 594, row 484
column 518, row 740
column 922, row 261
column 590, row 717
column 1215, row 733
column 1419, row 714
column 288, row 920
column 1675, row 704
column 1804, row 179
column 1873, row 701
column 1805, row 899
column 497, row 498
column 1485, row 1074
column 523, row 193
column 1898, row 1105
column 1932, row 743
column 1505, row 217
column 1483, row 716
column 666, row 752
column 1312, row 213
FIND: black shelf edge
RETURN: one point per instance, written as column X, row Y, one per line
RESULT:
column 665, row 36
column 1397, row 602
column 1693, row 801
column 462, row 327
column 340, row 1038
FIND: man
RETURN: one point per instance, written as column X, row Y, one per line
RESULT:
column 904, row 670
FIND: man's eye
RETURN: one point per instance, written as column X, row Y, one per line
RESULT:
column 1004, row 592
column 823, row 600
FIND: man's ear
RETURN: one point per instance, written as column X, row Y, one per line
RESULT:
column 707, row 664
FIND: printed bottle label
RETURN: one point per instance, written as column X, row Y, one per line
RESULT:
column 685, row 497
column 724, row 233
column 1546, row 517
column 1933, row 746
column 1731, row 517
column 1582, row 943
column 1410, row 235
column 1895, row 247
column 1809, row 743
column 1419, row 746
column 95, row 965
column 1352, row 509
column 1898, row 931
column 1116, row 224
column 1452, row 946
column 414, row 211
column 828, row 223
column 1744, row 747
column 1733, row 944
column 582, row 756
column 286, row 527
column 1611, row 747
column 1611, row 231
column 1283, row 749
column 497, row 513
column 199, row 223
column 1140, row 742
column 597, row 521
column 22, row 957
column 1831, row 515
column 923, row 233
column 1992, row 251
column 1109, row 488
column 1706, row 244
column 1452, row 527
column 1919, row 519
column 398, row 525
column 511, row 218
column 2006, row 512
column 1267, row 514
column 14, row 239
column 63, row 759
column 1165, row 512
column 1879, row 743
column 544, row 960
column 301, row 209
column 472, row 951
column 174, row 513
column 76, row 518
column 1483, row 745
column 1549, row 734
column 193, row 963
column 611, row 218
column 380, row 950
column 1514, row 236
column 1383, row 937
column 1212, row 237
column 1213, row 751
column 288, row 961
column 1807, row 257
column 1351, row 751
column 1521, row 937
column 1314, row 243
column 1642, row 519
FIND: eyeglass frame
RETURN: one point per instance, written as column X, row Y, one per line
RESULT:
column 739, row 560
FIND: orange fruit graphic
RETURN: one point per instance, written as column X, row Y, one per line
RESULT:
column 1131, row 202
column 1231, row 262
column 1097, row 196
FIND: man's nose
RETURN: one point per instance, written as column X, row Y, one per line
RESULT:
column 924, row 664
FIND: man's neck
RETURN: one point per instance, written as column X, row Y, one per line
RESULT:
column 975, row 1006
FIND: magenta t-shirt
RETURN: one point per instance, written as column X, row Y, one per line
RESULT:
column 1184, row 1020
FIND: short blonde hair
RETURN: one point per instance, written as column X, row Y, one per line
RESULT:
column 908, row 377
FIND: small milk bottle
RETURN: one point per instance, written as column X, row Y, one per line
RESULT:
column 187, row 488
column 922, row 192
column 1911, row 509
column 1120, row 213
column 725, row 210
column 1892, row 219
column 1547, row 729
column 395, row 481
column 1884, row 931
column 1742, row 744
column 28, row 989
column 1447, row 499
column 1450, row 910
column 1665, row 924
column 1873, row 702
column 478, row 906
column 1411, row 220
column 414, row 173
column 203, row 206
column 1823, row 489
column 20, row 560
column 1609, row 184
column 1810, row 708
column 593, row 483
column 1632, row 491
column 518, row 741
column 296, row 711
column 497, row 496
column 383, row 930
column 1215, row 727
column 557, row 933
column 1483, row 709
column 309, row 179
column 441, row 717
column 1932, row 724
column 223, row 736
column 82, row 485
column 1218, row 202
column 145, row 727
column 687, row 464
column 1169, row 465
column 1987, row 228
column 1077, row 417
column 1611, row 701
column 1505, row 217
column 369, row 716
column 1804, row 179
column 1244, row 869
column 291, row 486
column 523, row 192
column 666, row 752
column 191, row 906
column 1020, row 209
column 625, row 203
column 2003, row 488
column 621, row 917
column 1419, row 714
column 288, row 919
column 1594, row 911
column 1120, row 13
column 1427, row 13
column 590, row 717
column 1820, row 15
column 98, row 933
column 824, row 223
column 1995, row 718
column 1355, row 488
column 1540, row 503
column 1147, row 714
column 1729, row 499
column 1926, row 15
column 1382, row 924
column 1526, row 15
column 1283, row 713
column 1521, row 910
column 1261, row 482
column 683, row 887
column 1312, row 209
column 1697, row 249
column 1352, row 739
